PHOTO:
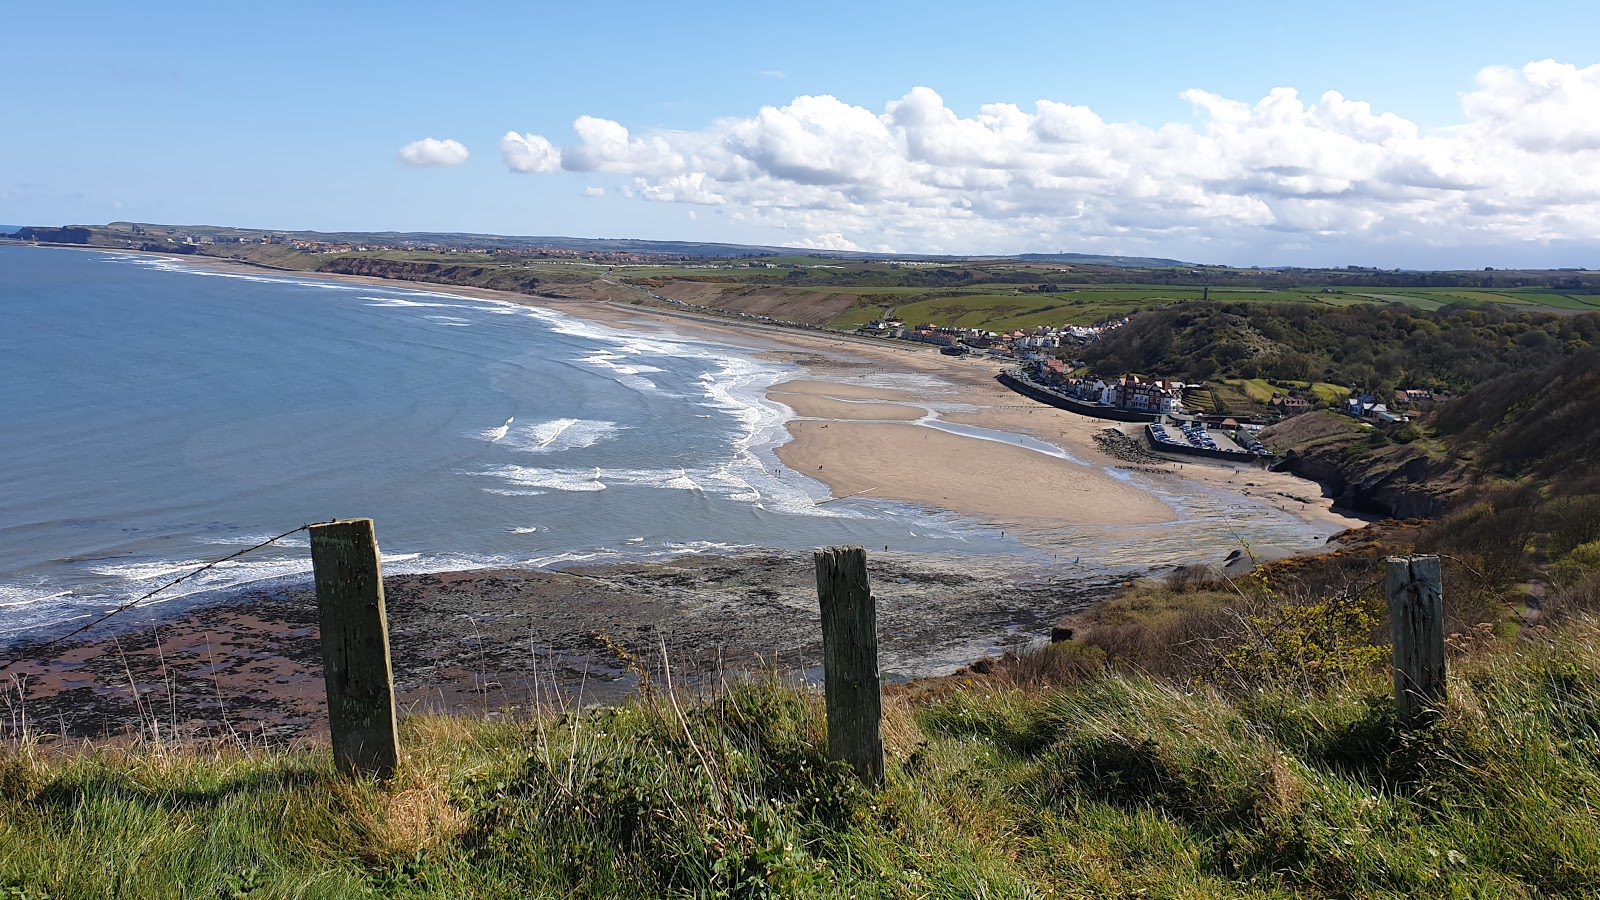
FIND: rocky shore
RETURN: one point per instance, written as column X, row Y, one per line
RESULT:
column 501, row 642
column 1116, row 443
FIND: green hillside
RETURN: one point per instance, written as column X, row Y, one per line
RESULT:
column 1057, row 781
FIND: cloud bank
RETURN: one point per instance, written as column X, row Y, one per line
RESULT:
column 1523, row 166
column 433, row 152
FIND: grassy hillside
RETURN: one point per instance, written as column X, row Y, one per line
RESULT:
column 1538, row 421
column 1373, row 347
column 1084, row 784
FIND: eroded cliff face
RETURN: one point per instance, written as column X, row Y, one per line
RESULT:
column 65, row 235
column 1362, row 471
column 491, row 277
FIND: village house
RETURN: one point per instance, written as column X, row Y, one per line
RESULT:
column 1131, row 392
column 1291, row 406
column 1366, row 406
column 1414, row 398
column 1148, row 396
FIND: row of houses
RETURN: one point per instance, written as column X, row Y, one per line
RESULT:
column 1366, row 405
column 1028, row 344
column 1134, row 393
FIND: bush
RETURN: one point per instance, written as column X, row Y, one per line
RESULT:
column 1312, row 646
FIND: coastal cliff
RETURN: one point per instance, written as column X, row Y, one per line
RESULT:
column 490, row 277
column 1363, row 470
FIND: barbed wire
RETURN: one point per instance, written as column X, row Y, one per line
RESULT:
column 38, row 651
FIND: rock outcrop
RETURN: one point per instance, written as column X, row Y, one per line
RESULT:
column 1363, row 470
column 491, row 277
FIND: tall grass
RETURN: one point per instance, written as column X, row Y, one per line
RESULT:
column 1109, row 784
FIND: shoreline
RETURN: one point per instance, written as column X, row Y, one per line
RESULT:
column 504, row 642
column 819, row 352
column 858, row 420
column 911, row 400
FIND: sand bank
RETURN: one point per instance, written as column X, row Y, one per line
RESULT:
column 819, row 407
column 933, row 468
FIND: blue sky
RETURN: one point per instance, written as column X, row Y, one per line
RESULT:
column 1161, row 133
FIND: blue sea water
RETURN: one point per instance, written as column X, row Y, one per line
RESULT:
column 155, row 415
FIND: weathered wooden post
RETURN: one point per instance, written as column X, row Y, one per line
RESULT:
column 1416, row 609
column 850, row 661
column 355, row 647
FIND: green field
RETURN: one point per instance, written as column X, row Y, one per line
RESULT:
column 1025, row 309
column 993, row 294
column 994, row 311
column 1248, row 395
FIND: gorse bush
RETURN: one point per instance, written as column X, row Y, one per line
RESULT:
column 1313, row 645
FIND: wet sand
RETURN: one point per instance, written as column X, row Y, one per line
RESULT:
column 977, row 477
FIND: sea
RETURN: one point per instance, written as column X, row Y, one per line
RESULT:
column 157, row 415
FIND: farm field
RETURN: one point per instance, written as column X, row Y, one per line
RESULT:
column 998, row 312
column 846, row 292
column 994, row 311
column 1244, row 395
column 999, row 307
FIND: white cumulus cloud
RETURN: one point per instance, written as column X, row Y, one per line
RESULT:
column 529, row 153
column 1523, row 165
column 434, row 152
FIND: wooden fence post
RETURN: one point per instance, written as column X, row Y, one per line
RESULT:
column 850, row 661
column 355, row 647
column 1416, row 609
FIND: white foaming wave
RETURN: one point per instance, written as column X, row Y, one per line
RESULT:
column 698, row 547
column 684, row 482
column 250, row 540
column 174, row 264
column 551, row 479
column 16, row 595
column 626, row 375
column 752, row 473
column 640, row 383
column 526, row 529
column 606, row 359
column 133, row 579
column 667, row 479
column 571, row 556
column 734, row 487
column 558, row 435
column 513, row 492
column 423, row 563
column 723, row 482
column 401, row 302
column 493, row 435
